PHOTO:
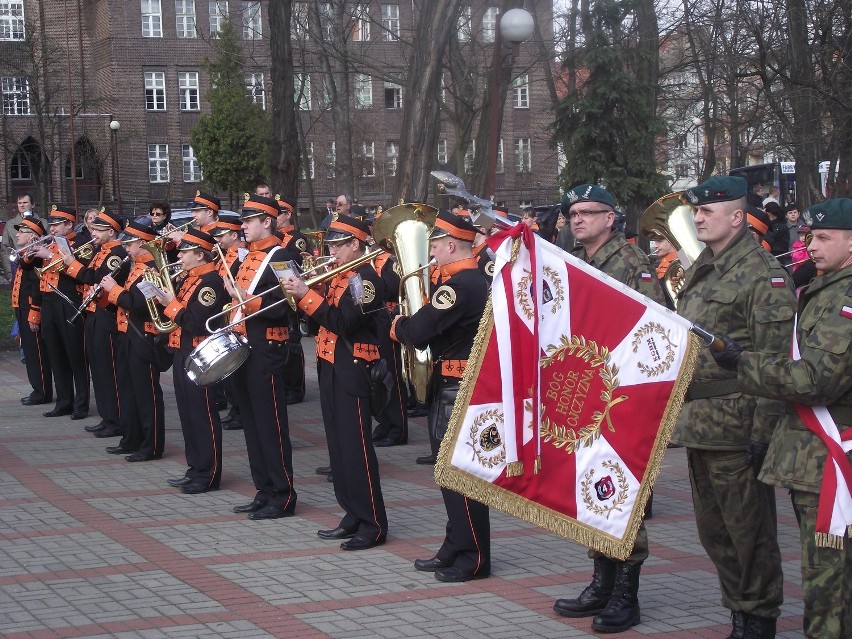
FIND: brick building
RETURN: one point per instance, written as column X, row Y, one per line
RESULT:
column 137, row 88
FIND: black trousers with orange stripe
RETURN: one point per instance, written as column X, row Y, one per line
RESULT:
column 35, row 356
column 393, row 420
column 102, row 352
column 199, row 421
column 141, row 400
column 66, row 352
column 262, row 399
column 467, row 543
column 354, row 466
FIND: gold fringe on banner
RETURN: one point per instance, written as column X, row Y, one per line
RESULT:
column 827, row 540
column 515, row 469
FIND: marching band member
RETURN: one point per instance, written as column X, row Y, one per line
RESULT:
column 26, row 300
column 100, row 325
column 347, row 347
column 201, row 295
column 64, row 341
column 142, row 398
column 258, row 384
column 205, row 212
column 448, row 325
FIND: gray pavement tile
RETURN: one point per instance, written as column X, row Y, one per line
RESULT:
column 61, row 450
column 51, row 553
column 11, row 488
column 37, row 516
column 222, row 629
column 168, row 506
column 119, row 477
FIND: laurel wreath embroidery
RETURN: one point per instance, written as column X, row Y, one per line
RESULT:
column 623, row 490
column 522, row 295
column 597, row 357
column 666, row 364
column 556, row 289
column 485, row 460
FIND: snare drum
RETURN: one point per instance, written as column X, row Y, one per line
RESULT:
column 217, row 357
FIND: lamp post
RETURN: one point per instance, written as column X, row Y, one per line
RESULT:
column 699, row 147
column 516, row 26
column 114, row 126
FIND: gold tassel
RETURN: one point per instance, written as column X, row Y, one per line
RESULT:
column 827, row 540
column 537, row 468
column 515, row 469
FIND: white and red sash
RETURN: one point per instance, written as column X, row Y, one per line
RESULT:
column 834, row 514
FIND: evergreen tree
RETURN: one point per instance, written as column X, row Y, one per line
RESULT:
column 232, row 141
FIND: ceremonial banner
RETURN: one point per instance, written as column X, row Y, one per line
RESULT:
column 606, row 370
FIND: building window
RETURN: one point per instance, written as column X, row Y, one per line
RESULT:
column 393, row 96
column 469, row 156
column 158, row 163
column 16, row 95
column 254, row 89
column 326, row 21
column 19, row 167
column 521, row 91
column 368, row 159
column 464, row 24
column 252, row 27
column 330, row 159
column 442, row 152
column 500, row 165
column 152, row 19
column 363, row 91
column 302, row 86
column 78, row 167
column 185, row 18
column 12, row 25
column 390, row 22
column 489, row 24
column 188, row 88
column 391, row 158
column 309, row 152
column 523, row 155
column 191, row 166
column 218, row 15
column 361, row 23
column 155, row 90
column 326, row 92
column 299, row 25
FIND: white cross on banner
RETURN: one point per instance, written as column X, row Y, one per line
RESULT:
column 608, row 370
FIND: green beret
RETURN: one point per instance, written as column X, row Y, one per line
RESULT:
column 587, row 193
column 831, row 214
column 719, row 188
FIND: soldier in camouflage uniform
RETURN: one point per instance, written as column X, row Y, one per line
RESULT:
column 822, row 376
column 613, row 595
column 734, row 287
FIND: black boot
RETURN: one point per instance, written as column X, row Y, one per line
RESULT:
column 738, row 623
column 596, row 595
column 622, row 611
column 759, row 628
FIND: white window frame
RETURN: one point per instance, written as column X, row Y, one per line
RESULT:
column 469, row 156
column 302, row 91
column 391, row 158
column 192, row 171
column 330, row 161
column 363, row 91
column 500, row 166
column 185, row 22
column 443, row 157
column 523, row 155
column 12, row 23
column 16, row 95
column 158, row 163
column 368, row 159
column 255, row 89
column 465, row 24
column 188, row 90
column 489, row 24
column 218, row 10
column 390, row 22
column 252, row 20
column 361, row 23
column 155, row 90
column 309, row 151
column 396, row 98
column 521, row 91
column 152, row 18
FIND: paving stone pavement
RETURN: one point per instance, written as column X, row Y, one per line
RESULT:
column 91, row 546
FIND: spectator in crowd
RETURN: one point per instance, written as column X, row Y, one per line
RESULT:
column 778, row 235
column 794, row 222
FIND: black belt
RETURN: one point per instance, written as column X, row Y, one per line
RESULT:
column 842, row 415
column 703, row 390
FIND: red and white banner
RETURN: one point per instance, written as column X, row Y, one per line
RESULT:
column 606, row 370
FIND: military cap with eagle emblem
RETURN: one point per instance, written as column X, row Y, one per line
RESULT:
column 831, row 214
column 719, row 188
column 586, row 193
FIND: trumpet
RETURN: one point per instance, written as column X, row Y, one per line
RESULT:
column 44, row 240
column 319, row 279
column 85, row 251
column 96, row 291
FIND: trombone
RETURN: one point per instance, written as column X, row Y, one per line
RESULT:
column 84, row 250
column 319, row 279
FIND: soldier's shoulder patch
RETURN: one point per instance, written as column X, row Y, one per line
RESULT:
column 846, row 311
column 113, row 262
column 301, row 244
column 369, row 292
column 444, row 297
column 207, row 296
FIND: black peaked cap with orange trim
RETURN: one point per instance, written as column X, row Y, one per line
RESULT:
column 447, row 224
column 344, row 228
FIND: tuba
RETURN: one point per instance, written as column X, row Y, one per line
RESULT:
column 159, row 276
column 670, row 218
column 404, row 230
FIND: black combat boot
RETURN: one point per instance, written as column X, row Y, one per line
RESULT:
column 738, row 624
column 596, row 595
column 759, row 628
column 622, row 611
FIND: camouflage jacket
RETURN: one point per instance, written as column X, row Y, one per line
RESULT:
column 743, row 292
column 823, row 376
column 626, row 263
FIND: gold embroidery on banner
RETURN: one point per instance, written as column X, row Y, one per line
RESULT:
column 487, row 439
column 553, row 291
column 623, row 490
column 647, row 333
column 597, row 357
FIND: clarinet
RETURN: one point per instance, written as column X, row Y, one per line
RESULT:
column 96, row 291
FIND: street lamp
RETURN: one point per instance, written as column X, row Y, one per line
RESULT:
column 114, row 126
column 697, row 122
column 516, row 26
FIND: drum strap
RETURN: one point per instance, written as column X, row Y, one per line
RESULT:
column 257, row 275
